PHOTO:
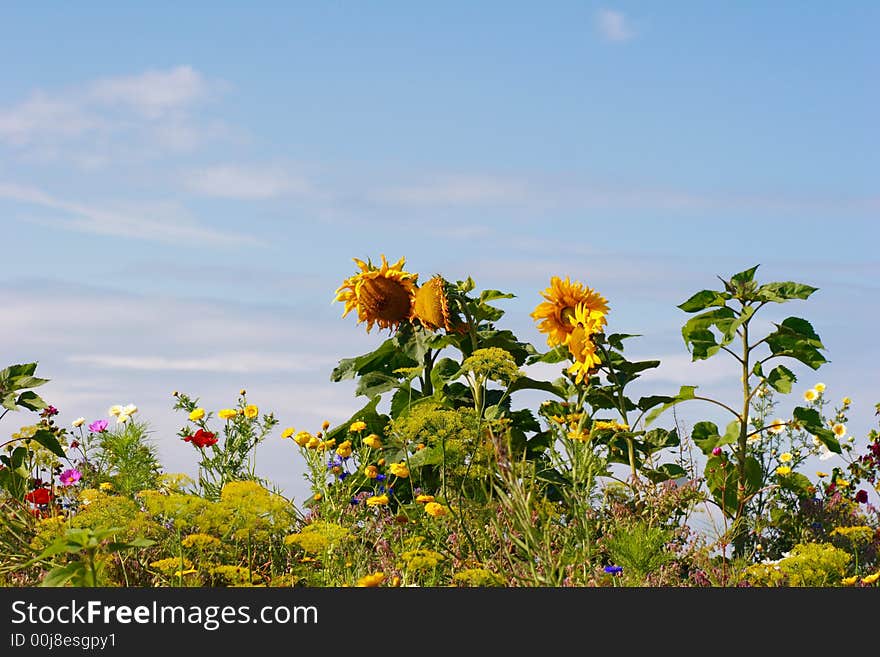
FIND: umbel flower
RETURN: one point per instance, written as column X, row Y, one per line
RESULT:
column 431, row 305
column 382, row 296
column 562, row 299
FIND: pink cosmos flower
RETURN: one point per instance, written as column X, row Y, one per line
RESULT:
column 70, row 476
column 98, row 426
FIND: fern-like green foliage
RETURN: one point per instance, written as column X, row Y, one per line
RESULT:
column 640, row 549
column 127, row 459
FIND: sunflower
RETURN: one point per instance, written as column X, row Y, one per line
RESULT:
column 382, row 296
column 583, row 350
column 431, row 305
column 562, row 297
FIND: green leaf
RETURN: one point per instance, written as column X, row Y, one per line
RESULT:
column 16, row 372
column 31, row 401
column 375, row 383
column 61, row 575
column 795, row 338
column 721, row 481
column 657, row 439
column 706, row 436
column 704, row 299
column 785, row 291
column 375, row 422
column 48, row 440
column 491, row 295
column 130, row 545
column 649, row 402
column 555, row 355
column 796, row 483
column 746, row 276
column 666, row 472
column 812, row 422
column 443, row 371
column 426, row 456
column 8, row 402
column 781, row 378
column 684, row 393
column 616, row 339
column 527, row 383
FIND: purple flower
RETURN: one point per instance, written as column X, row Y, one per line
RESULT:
column 613, row 570
column 49, row 411
column 98, row 426
column 69, row 477
column 862, row 497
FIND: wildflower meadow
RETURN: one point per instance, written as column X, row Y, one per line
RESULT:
column 443, row 476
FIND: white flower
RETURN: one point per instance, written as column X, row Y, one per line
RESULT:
column 115, row 410
column 130, row 409
column 78, row 422
column 123, row 418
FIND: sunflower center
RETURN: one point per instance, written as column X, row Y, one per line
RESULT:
column 567, row 315
column 385, row 299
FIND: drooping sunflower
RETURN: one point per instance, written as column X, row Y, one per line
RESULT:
column 562, row 297
column 580, row 343
column 382, row 295
column 431, row 305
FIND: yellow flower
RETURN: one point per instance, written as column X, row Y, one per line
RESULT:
column 843, row 483
column 871, row 579
column 197, row 415
column 847, row 401
column 302, row 438
column 582, row 436
column 821, row 474
column 317, row 497
column 78, row 422
column 381, row 462
column 580, row 345
column 114, row 410
column 324, row 445
column 373, row 441
column 377, row 500
column 382, row 295
column 371, row 471
column 129, row 409
column 783, row 470
column 122, row 418
column 819, row 387
column 562, row 298
column 372, row 580
column 811, row 395
column 227, row 413
column 251, row 411
column 435, row 510
column 399, row 469
column 839, row 430
column 325, row 425
column 785, row 457
column 344, row 449
column 424, row 499
column 313, row 443
column 105, row 486
column 849, row 581
column 431, row 306
column 777, row 426
column 288, row 432
column 357, row 426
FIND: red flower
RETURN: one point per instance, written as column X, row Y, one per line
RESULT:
column 862, row 497
column 201, row 439
column 39, row 496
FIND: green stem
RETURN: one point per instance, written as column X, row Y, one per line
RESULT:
column 739, row 541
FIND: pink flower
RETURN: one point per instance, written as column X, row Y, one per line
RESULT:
column 69, row 477
column 98, row 426
column 716, row 451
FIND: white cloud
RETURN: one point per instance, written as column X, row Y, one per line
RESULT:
column 248, row 183
column 455, row 190
column 136, row 116
column 233, row 363
column 161, row 221
column 614, row 26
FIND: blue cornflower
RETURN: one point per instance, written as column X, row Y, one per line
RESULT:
column 334, row 462
column 613, row 570
column 354, row 501
column 343, row 475
column 380, row 477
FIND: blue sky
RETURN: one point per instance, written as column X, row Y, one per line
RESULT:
column 183, row 185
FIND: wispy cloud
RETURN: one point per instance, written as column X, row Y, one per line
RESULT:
column 162, row 221
column 614, row 26
column 138, row 116
column 454, row 190
column 233, row 363
column 246, row 183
